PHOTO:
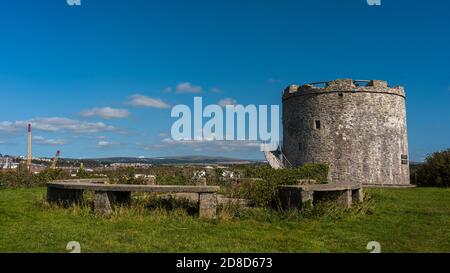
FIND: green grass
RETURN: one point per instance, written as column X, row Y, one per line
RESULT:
column 406, row 220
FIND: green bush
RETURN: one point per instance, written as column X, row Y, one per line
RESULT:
column 83, row 174
column 165, row 175
column 23, row 178
column 263, row 192
column 435, row 172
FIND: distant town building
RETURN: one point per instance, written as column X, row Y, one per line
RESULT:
column 130, row 165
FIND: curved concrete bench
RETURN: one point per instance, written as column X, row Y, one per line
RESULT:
column 108, row 195
column 297, row 196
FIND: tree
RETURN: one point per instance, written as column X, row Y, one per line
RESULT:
column 435, row 172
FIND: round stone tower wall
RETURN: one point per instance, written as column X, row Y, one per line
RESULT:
column 357, row 127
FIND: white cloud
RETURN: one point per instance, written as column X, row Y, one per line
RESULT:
column 216, row 90
column 227, row 101
column 7, row 126
column 138, row 100
column 273, row 81
column 163, row 134
column 106, row 113
column 104, row 144
column 167, row 90
column 56, row 124
column 187, row 87
column 6, row 142
column 53, row 142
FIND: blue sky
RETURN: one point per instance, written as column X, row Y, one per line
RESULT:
column 61, row 66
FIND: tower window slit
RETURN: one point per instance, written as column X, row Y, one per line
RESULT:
column 318, row 124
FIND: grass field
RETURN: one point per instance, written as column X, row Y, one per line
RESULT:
column 407, row 220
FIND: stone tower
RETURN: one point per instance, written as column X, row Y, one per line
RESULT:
column 357, row 127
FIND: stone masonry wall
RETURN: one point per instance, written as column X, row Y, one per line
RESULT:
column 360, row 131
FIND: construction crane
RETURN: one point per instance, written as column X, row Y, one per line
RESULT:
column 55, row 160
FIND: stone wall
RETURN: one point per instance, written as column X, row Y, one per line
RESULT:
column 358, row 129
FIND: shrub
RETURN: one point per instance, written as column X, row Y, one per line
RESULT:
column 435, row 172
column 23, row 178
column 83, row 174
column 264, row 192
column 165, row 175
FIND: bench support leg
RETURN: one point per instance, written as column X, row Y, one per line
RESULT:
column 208, row 205
column 64, row 197
column 102, row 205
column 307, row 199
column 293, row 198
column 345, row 198
column 358, row 196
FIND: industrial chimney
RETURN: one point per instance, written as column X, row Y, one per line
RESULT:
column 29, row 148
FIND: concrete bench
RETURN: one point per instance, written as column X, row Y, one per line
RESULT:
column 299, row 196
column 88, row 180
column 109, row 195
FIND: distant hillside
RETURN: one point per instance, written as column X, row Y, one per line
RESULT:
column 170, row 160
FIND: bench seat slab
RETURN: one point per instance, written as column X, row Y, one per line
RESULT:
column 134, row 188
